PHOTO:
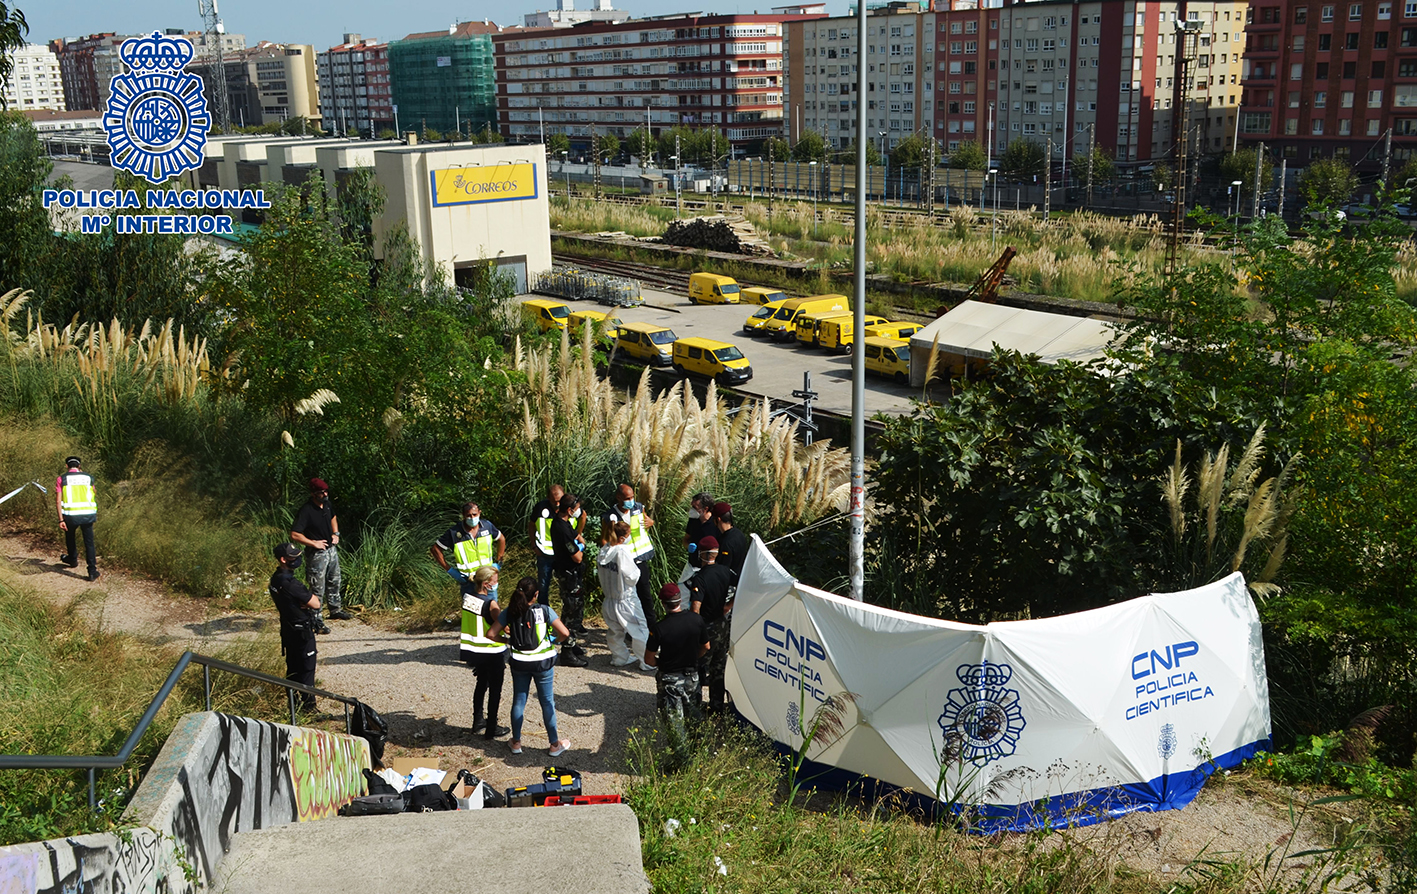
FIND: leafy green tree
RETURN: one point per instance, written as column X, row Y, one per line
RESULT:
column 609, row 147
column 640, row 144
column 1162, row 177
column 25, row 229
column 1101, row 164
column 13, row 29
column 387, row 133
column 969, row 156
column 1327, row 182
column 432, row 135
column 1241, row 166
column 779, row 148
column 811, row 147
column 1022, row 160
column 909, row 153
column 557, row 143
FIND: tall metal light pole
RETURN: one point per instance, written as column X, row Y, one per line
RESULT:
column 994, row 222
column 857, row 550
column 813, row 166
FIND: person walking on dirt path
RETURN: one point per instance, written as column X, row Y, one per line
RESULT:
column 317, row 529
column 711, row 598
column 528, row 627
column 486, row 656
column 632, row 513
column 298, row 609
column 538, row 533
column 77, row 506
column 620, row 606
column 674, row 651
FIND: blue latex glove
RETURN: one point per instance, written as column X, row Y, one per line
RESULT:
column 497, row 565
column 456, row 574
column 693, row 548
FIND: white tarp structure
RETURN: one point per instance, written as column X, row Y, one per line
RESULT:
column 972, row 328
column 1072, row 719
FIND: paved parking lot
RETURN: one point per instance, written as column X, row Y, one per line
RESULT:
column 777, row 366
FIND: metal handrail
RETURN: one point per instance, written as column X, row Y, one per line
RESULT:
column 94, row 762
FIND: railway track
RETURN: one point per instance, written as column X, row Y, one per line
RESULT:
column 677, row 282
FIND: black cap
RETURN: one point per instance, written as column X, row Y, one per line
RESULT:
column 72, row 461
column 286, row 551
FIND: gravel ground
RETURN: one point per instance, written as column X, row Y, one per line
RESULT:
column 416, row 682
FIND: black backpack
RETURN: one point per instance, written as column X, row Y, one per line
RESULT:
column 366, row 723
column 374, row 805
column 428, row 797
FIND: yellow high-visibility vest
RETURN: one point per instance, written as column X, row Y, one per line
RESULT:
column 544, row 648
column 471, row 554
column 76, row 497
column 640, row 544
column 543, row 534
column 474, row 629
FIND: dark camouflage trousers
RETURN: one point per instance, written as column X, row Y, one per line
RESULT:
column 677, row 693
column 717, row 663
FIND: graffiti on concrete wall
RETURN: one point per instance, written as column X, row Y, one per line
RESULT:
column 234, row 775
column 327, row 771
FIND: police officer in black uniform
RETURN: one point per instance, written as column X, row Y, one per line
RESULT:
column 297, row 607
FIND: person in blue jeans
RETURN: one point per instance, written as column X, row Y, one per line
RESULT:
column 528, row 627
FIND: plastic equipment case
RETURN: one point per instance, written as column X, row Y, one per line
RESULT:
column 555, row 781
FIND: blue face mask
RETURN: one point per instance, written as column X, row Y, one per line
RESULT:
column 628, row 504
column 472, row 520
column 294, row 563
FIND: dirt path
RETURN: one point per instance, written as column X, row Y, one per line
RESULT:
column 417, row 683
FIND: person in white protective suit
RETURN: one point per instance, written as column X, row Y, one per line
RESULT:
column 621, row 604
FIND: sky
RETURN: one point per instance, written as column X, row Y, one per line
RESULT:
column 322, row 22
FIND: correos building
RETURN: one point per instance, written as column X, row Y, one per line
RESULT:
column 470, row 206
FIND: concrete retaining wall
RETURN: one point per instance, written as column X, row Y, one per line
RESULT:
column 216, row 775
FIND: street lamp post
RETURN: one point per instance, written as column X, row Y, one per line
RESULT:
column 1234, row 189
column 813, row 166
column 886, row 174
column 994, row 222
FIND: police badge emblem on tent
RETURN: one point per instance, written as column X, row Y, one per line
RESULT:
column 156, row 117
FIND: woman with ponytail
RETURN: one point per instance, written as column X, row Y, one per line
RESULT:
column 529, row 627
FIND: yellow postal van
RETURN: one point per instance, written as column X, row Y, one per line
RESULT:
column 807, row 325
column 837, row 333
column 888, row 357
column 645, row 342
column 755, row 323
column 710, row 288
column 547, row 314
column 893, row 330
column 716, row 359
column 762, row 295
column 782, row 325
column 604, row 327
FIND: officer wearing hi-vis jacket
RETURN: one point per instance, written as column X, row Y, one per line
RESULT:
column 77, row 507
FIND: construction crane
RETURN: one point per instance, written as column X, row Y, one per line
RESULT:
column 216, row 64
column 986, row 287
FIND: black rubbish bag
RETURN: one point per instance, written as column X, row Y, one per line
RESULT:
column 366, row 723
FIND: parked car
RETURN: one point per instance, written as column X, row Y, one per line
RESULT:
column 717, row 360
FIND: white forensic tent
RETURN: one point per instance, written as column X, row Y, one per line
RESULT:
column 1072, row 719
column 972, row 328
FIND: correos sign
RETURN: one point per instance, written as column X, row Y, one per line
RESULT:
column 477, row 185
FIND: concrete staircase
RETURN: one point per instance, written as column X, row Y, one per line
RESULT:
column 592, row 849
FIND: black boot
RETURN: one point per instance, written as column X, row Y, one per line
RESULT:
column 479, row 723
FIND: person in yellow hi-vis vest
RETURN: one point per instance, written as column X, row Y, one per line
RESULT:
column 77, row 507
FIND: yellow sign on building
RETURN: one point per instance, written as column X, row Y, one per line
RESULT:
column 476, row 185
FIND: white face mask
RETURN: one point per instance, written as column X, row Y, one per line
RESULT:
column 577, row 513
column 694, row 513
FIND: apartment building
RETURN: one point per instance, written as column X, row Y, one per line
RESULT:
column 445, row 80
column 35, row 80
column 268, row 84
column 1071, row 72
column 88, row 64
column 1331, row 79
column 356, row 94
column 718, row 71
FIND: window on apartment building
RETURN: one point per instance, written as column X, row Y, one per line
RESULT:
column 1301, row 14
column 1409, row 38
column 971, row 47
column 956, row 87
column 1320, row 99
column 969, row 107
column 1325, row 42
column 1296, row 71
column 1407, row 68
column 1379, row 40
column 1375, row 99
column 1316, row 127
column 1321, row 71
column 1409, row 9
column 971, row 68
column 1345, row 127
column 1298, row 46
column 1031, row 45
column 1350, row 40
column 1346, row 99
column 1326, row 14
column 956, row 47
column 955, row 27
column 971, row 27
column 1350, row 69
column 1378, row 69
column 1291, row 126
column 1373, row 127
column 1293, row 99
column 1384, row 10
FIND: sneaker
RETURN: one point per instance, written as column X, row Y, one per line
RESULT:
column 561, row 748
column 646, row 667
column 340, row 614
column 618, row 662
column 497, row 732
column 516, row 746
column 323, row 628
column 72, row 563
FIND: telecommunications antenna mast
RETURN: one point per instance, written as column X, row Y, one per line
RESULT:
column 216, row 65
